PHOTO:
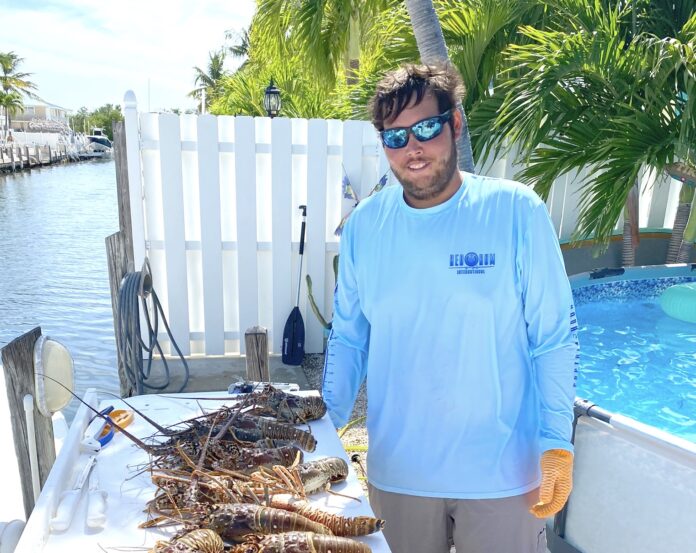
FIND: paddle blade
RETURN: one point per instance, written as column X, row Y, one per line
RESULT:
column 294, row 338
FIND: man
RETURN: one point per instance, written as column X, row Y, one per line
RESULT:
column 452, row 300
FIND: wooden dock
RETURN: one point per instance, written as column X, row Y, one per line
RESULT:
column 18, row 158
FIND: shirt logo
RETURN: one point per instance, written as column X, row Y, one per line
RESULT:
column 471, row 263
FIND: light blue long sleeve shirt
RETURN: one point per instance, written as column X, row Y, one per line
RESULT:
column 461, row 318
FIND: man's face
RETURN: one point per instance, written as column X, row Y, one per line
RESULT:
column 427, row 171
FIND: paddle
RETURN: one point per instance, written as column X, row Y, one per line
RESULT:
column 294, row 331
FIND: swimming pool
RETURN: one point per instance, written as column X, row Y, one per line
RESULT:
column 635, row 359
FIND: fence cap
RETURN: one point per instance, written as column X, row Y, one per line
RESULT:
column 129, row 100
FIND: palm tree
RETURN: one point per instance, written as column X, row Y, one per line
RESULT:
column 242, row 42
column 207, row 81
column 14, row 82
column 687, row 244
column 686, row 197
column 584, row 95
column 242, row 92
column 11, row 102
column 432, row 48
column 330, row 33
column 684, row 231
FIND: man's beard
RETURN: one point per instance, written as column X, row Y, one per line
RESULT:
column 444, row 171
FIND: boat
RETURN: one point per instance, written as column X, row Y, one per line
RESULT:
column 97, row 145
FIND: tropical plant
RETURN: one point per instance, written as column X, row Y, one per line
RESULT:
column 302, row 94
column 686, row 197
column 242, row 93
column 684, row 230
column 242, row 41
column 310, row 296
column 13, row 82
column 207, row 81
column 585, row 93
column 11, row 102
column 362, row 39
column 330, row 34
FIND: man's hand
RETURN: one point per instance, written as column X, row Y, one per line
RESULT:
column 556, row 482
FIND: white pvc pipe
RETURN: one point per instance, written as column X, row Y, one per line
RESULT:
column 31, row 443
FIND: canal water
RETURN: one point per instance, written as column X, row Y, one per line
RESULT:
column 53, row 269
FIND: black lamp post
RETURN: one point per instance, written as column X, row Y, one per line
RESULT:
column 271, row 100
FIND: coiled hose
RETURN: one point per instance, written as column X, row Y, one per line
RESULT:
column 134, row 286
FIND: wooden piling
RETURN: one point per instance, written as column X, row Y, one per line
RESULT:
column 122, row 189
column 119, row 246
column 117, row 262
column 18, row 365
column 257, row 364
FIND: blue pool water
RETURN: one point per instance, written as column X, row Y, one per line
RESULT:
column 634, row 359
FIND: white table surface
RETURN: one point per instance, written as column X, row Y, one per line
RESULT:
column 119, row 467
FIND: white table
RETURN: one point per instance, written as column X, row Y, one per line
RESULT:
column 118, row 466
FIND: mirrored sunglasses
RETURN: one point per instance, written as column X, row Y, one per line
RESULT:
column 423, row 130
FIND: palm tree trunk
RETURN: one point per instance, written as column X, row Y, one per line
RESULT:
column 432, row 49
column 628, row 252
column 684, row 255
column 689, row 238
column 686, row 196
column 631, row 235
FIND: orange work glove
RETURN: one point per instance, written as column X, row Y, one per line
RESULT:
column 556, row 482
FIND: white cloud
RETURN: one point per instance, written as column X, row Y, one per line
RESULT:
column 87, row 53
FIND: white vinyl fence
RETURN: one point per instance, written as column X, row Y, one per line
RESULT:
column 214, row 206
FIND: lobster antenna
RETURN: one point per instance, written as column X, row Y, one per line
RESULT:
column 148, row 419
column 136, row 441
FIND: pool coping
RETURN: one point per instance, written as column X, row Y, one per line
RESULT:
column 615, row 274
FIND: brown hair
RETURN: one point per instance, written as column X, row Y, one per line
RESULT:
column 395, row 91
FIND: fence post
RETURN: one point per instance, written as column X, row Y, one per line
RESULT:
column 257, row 366
column 135, row 186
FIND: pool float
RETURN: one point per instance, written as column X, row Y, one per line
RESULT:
column 679, row 301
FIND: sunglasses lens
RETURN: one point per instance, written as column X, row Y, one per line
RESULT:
column 424, row 130
column 395, row 138
column 427, row 129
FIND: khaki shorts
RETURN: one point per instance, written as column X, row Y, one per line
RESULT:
column 430, row 525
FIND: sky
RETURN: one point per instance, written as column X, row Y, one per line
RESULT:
column 90, row 52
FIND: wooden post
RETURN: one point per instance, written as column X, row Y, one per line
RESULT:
column 26, row 153
column 37, row 151
column 117, row 261
column 257, row 366
column 119, row 246
column 18, row 364
column 122, row 190
column 12, row 159
column 50, row 155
